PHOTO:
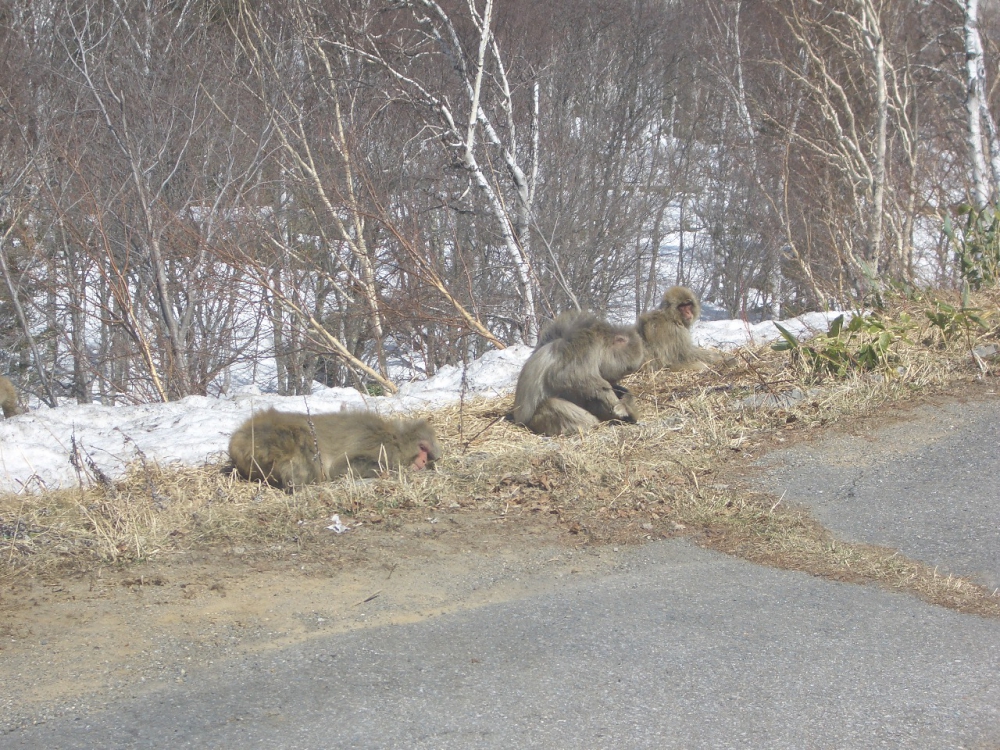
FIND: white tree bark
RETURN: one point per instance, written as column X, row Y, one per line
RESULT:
column 872, row 34
column 851, row 146
column 975, row 105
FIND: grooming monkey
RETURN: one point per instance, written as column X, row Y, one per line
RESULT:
column 564, row 324
column 9, row 401
column 288, row 450
column 666, row 333
column 570, row 381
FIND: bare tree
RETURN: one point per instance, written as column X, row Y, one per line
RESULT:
column 473, row 115
column 366, row 188
column 164, row 148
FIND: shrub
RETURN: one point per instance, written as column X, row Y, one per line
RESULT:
column 977, row 249
column 863, row 344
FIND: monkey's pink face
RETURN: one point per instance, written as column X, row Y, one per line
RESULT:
column 423, row 458
column 686, row 309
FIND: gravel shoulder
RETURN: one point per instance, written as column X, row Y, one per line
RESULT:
column 85, row 642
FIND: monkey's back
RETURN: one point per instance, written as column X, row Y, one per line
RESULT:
column 365, row 444
column 565, row 325
column 667, row 341
column 599, row 347
column 275, row 447
column 530, row 390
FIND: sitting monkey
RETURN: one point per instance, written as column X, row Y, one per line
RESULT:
column 570, row 381
column 666, row 333
column 9, row 401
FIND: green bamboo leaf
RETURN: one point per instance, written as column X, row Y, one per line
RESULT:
column 792, row 342
column 836, row 327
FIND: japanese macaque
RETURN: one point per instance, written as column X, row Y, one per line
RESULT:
column 564, row 324
column 666, row 333
column 570, row 381
column 9, row 401
column 289, row 450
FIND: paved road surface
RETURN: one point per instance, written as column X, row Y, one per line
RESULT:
column 929, row 486
column 676, row 647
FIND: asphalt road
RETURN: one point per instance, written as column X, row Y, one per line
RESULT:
column 928, row 485
column 674, row 647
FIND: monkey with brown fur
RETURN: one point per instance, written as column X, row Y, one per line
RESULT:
column 288, row 450
column 666, row 333
column 9, row 401
column 570, row 381
column 564, row 324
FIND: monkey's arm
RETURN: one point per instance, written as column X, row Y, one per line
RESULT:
column 711, row 356
column 628, row 401
column 596, row 395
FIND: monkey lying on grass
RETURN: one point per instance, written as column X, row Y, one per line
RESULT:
column 288, row 450
column 570, row 381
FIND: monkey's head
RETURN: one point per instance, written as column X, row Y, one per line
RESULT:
column 681, row 305
column 624, row 354
column 425, row 450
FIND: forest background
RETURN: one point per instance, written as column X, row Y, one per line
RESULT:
column 358, row 190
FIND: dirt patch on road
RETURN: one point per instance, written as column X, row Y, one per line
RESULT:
column 78, row 643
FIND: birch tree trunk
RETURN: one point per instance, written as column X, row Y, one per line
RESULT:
column 872, row 35
column 978, row 113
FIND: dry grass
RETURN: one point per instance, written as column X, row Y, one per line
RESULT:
column 676, row 473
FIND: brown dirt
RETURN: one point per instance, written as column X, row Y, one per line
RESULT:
column 86, row 640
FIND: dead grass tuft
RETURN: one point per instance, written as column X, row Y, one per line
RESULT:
column 676, row 473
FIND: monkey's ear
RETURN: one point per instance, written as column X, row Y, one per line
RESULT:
column 620, row 339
